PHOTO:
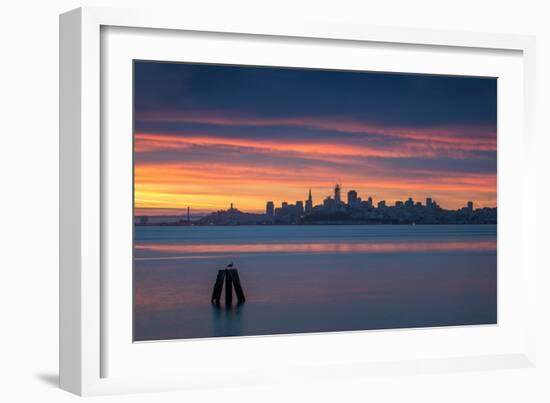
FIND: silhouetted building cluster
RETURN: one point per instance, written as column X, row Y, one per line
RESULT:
column 333, row 210
column 358, row 211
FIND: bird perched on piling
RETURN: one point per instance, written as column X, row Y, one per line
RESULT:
column 230, row 265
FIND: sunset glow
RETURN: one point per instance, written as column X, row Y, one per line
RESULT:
column 207, row 136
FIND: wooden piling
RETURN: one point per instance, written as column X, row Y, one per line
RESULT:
column 237, row 284
column 228, row 288
column 217, row 291
column 231, row 279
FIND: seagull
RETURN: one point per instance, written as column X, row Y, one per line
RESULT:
column 230, row 264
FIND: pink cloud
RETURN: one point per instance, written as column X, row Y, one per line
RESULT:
column 472, row 137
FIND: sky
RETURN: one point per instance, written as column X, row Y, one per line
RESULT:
column 206, row 136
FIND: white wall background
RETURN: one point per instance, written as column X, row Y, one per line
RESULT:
column 29, row 198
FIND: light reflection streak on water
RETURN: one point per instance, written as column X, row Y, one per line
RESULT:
column 317, row 247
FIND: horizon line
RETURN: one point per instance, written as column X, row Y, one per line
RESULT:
column 178, row 211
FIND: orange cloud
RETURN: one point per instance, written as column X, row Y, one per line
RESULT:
column 156, row 142
column 206, row 186
column 212, row 185
column 330, row 150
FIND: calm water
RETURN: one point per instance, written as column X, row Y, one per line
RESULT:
column 313, row 278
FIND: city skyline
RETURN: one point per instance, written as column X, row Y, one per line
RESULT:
column 184, row 211
column 351, row 198
column 342, row 207
column 209, row 134
column 341, row 197
column 228, row 204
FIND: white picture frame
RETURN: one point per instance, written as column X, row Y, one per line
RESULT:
column 85, row 345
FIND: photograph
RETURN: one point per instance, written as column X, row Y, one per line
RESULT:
column 283, row 200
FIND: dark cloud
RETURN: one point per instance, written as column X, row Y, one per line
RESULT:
column 403, row 99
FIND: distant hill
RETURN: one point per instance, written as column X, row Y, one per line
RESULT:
column 234, row 217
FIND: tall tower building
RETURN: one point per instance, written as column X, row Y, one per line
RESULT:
column 309, row 203
column 337, row 198
column 369, row 202
column 352, row 197
column 299, row 207
column 270, row 209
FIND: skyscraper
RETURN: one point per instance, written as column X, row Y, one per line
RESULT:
column 309, row 203
column 352, row 197
column 300, row 207
column 470, row 206
column 270, row 209
column 329, row 204
column 337, row 197
column 369, row 202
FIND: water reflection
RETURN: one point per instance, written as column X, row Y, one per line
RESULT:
column 227, row 320
column 313, row 279
column 323, row 247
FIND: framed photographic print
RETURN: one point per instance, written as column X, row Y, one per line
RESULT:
column 258, row 193
column 220, row 150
